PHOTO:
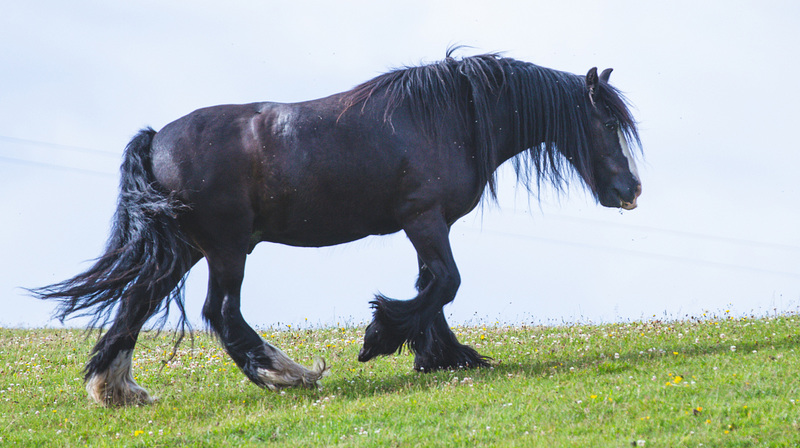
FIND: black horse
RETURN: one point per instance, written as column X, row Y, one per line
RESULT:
column 414, row 149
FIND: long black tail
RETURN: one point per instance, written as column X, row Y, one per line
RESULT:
column 146, row 249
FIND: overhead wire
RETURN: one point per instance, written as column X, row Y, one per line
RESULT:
column 679, row 233
column 84, row 149
column 633, row 252
column 57, row 166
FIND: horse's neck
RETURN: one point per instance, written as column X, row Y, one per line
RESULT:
column 510, row 141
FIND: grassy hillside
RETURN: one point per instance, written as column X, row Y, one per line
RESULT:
column 715, row 381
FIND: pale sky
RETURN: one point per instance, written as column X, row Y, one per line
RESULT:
column 714, row 85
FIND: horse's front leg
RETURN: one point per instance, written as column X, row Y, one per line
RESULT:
column 440, row 348
column 420, row 322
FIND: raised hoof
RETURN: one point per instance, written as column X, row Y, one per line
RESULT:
column 381, row 337
column 375, row 345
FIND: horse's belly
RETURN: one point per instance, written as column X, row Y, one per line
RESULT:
column 324, row 226
column 318, row 236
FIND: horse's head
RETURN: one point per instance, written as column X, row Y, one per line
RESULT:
column 612, row 174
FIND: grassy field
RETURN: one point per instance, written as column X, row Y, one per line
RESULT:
column 714, row 381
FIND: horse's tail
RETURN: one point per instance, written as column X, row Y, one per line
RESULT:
column 146, row 257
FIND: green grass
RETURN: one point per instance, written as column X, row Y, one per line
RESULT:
column 717, row 381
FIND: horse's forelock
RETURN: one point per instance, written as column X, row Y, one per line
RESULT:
column 619, row 106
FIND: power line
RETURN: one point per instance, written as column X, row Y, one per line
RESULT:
column 679, row 233
column 53, row 166
column 663, row 257
column 83, row 149
column 59, row 146
column 684, row 234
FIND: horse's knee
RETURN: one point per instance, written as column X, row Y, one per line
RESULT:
column 454, row 281
column 212, row 311
column 211, row 315
column 448, row 285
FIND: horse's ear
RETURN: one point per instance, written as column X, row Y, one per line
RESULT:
column 591, row 78
column 591, row 83
column 605, row 75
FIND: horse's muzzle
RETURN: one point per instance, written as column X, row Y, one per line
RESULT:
column 630, row 205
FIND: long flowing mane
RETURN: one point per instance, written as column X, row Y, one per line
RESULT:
column 550, row 110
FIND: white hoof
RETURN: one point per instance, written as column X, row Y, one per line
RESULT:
column 116, row 386
column 287, row 373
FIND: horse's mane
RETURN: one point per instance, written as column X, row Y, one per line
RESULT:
column 548, row 106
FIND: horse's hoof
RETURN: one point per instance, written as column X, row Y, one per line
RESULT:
column 287, row 373
column 365, row 355
column 463, row 357
column 116, row 393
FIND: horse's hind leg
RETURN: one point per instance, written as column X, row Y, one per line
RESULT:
column 108, row 376
column 262, row 363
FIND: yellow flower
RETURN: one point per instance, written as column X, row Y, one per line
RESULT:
column 677, row 379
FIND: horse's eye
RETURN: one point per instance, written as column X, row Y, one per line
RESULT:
column 611, row 125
